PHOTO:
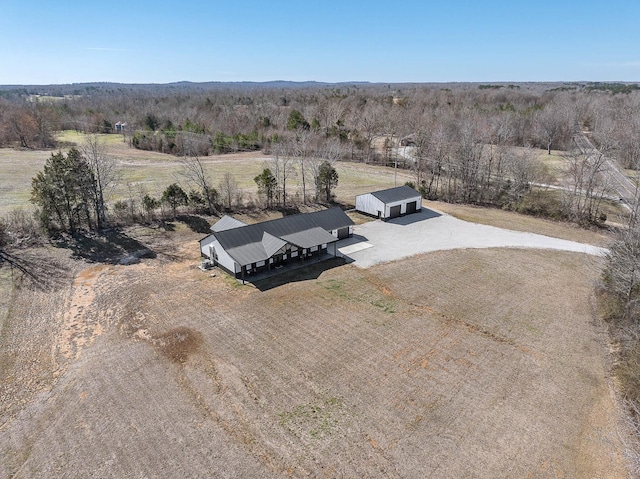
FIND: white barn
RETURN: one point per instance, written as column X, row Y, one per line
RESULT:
column 390, row 203
column 243, row 249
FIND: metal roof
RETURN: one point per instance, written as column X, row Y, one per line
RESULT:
column 399, row 193
column 249, row 244
column 227, row 223
column 309, row 238
column 271, row 244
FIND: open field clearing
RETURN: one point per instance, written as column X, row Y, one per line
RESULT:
column 151, row 172
column 473, row 363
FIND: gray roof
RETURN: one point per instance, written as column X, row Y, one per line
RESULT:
column 309, row 238
column 399, row 193
column 271, row 244
column 227, row 223
column 250, row 244
column 258, row 251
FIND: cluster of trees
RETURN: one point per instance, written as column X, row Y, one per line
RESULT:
column 70, row 191
column 619, row 292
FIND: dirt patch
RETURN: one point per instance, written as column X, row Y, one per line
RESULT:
column 79, row 328
column 178, row 344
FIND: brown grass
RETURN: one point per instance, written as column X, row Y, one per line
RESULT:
column 519, row 222
column 478, row 363
column 147, row 172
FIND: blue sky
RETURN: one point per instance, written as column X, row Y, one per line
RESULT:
column 68, row 41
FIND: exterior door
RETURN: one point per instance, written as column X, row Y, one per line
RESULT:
column 394, row 211
column 411, row 207
column 343, row 233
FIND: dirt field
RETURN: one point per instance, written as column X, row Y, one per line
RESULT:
column 477, row 363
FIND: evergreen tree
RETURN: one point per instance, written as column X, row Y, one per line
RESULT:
column 65, row 192
column 267, row 185
column 174, row 196
column 327, row 179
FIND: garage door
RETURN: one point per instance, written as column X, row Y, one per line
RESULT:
column 343, row 233
column 411, row 207
column 394, row 211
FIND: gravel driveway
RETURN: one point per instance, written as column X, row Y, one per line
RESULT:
column 426, row 231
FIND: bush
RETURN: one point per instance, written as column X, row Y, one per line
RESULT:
column 21, row 228
column 541, row 204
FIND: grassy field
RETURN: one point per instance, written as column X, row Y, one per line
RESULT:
column 478, row 364
column 150, row 172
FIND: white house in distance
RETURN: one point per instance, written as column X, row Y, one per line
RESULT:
column 243, row 249
column 390, row 203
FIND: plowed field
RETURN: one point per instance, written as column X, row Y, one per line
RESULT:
column 470, row 363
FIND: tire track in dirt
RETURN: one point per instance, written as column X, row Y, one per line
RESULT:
column 78, row 328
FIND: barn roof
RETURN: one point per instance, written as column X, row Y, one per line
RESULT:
column 252, row 243
column 396, row 194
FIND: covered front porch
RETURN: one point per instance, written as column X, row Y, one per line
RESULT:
column 291, row 258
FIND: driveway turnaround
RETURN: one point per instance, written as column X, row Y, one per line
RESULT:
column 427, row 230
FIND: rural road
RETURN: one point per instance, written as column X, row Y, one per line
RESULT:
column 623, row 187
column 427, row 231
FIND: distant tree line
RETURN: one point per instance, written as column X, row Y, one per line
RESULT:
column 472, row 143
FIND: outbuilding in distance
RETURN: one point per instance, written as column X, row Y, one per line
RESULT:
column 390, row 203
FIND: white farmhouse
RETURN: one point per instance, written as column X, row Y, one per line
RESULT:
column 243, row 249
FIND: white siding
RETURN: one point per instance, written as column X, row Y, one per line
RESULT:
column 224, row 259
column 369, row 204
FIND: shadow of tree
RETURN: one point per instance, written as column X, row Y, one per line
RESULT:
column 197, row 224
column 36, row 270
column 110, row 247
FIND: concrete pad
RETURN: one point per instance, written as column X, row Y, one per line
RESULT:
column 428, row 230
column 347, row 250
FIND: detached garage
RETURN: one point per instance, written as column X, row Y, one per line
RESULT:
column 391, row 203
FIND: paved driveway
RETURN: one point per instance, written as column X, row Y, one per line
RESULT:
column 426, row 231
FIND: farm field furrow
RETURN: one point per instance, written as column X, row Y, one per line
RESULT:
column 473, row 363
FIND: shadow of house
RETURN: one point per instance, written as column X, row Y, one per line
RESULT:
column 109, row 247
column 298, row 273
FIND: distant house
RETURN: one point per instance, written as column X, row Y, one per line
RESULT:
column 120, row 126
column 408, row 141
column 390, row 203
column 243, row 249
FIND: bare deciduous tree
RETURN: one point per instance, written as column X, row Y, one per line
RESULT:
column 283, row 168
column 228, row 190
column 105, row 171
column 587, row 185
column 194, row 172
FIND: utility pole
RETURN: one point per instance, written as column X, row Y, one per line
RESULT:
column 395, row 168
